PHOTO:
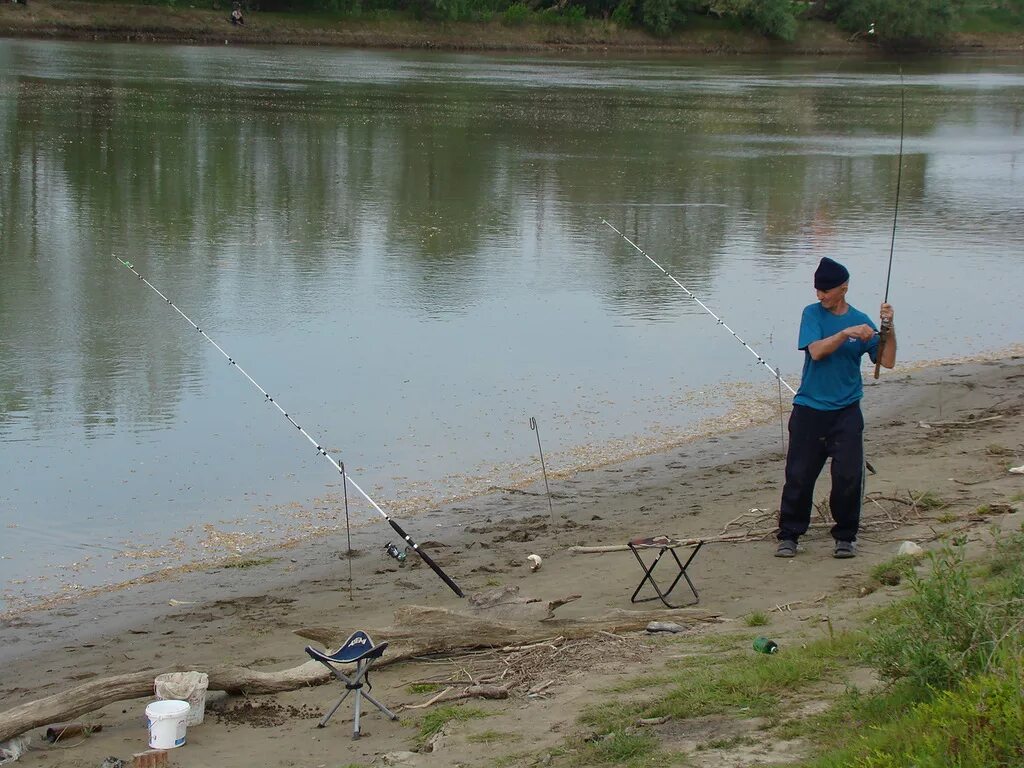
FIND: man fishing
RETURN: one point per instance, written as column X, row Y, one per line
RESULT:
column 826, row 421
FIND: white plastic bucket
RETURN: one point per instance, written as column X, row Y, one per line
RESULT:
column 185, row 686
column 167, row 723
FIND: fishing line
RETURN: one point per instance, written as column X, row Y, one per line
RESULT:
column 346, row 478
column 704, row 306
column 886, row 326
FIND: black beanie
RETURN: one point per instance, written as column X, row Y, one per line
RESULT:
column 829, row 274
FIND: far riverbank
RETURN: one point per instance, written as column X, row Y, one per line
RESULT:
column 74, row 20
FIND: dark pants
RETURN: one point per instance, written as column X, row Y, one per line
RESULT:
column 815, row 436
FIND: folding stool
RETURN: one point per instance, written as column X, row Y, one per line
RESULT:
column 359, row 650
column 663, row 544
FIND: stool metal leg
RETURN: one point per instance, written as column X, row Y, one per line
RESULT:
column 355, row 723
column 354, row 684
column 329, row 715
column 390, row 715
column 649, row 578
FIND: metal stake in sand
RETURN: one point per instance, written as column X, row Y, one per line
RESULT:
column 346, row 478
column 782, row 426
column 544, row 469
column 703, row 306
column 348, row 528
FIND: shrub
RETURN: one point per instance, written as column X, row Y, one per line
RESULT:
column 951, row 627
column 517, row 13
column 774, row 18
column 907, row 22
column 658, row 16
column 623, row 13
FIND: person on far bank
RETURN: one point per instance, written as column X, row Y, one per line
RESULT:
column 826, row 422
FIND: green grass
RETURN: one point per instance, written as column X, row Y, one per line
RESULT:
column 955, row 658
column 433, row 722
column 977, row 725
column 742, row 681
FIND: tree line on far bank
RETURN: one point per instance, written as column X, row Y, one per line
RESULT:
column 893, row 23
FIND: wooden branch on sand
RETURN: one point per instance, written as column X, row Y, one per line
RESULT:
column 970, row 423
column 418, row 631
column 737, row 536
column 469, row 692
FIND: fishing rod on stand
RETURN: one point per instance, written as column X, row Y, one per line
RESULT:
column 340, row 467
column 886, row 325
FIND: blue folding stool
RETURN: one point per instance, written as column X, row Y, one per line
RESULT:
column 359, row 650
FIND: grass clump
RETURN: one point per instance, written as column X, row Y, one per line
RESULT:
column 893, row 572
column 927, row 500
column 249, row 562
column 432, row 723
column 756, row 619
column 491, row 737
column 626, row 747
column 424, row 687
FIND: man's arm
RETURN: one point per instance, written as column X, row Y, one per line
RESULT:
column 821, row 349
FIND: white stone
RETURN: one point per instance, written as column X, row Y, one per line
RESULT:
column 909, row 548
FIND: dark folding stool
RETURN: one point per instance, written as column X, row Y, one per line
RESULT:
column 359, row 650
column 663, row 544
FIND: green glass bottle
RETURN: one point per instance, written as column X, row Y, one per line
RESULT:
column 764, row 645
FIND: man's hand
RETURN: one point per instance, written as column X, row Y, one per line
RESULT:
column 863, row 332
column 886, row 314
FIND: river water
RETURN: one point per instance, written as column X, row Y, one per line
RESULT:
column 406, row 250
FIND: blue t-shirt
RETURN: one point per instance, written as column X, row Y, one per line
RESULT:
column 835, row 381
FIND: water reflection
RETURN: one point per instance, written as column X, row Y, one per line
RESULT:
column 407, row 250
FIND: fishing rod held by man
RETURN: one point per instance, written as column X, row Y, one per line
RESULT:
column 826, row 421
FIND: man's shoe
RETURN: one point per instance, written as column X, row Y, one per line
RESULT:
column 786, row 548
column 844, row 550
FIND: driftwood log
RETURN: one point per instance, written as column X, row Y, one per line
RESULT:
column 418, row 631
column 96, row 694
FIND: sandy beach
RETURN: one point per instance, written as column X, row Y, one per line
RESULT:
column 951, row 431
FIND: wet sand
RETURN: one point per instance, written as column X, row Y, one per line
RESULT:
column 247, row 616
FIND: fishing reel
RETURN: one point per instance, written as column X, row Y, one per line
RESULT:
column 398, row 554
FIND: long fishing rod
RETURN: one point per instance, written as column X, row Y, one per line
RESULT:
column 704, row 306
column 883, row 333
column 346, row 478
